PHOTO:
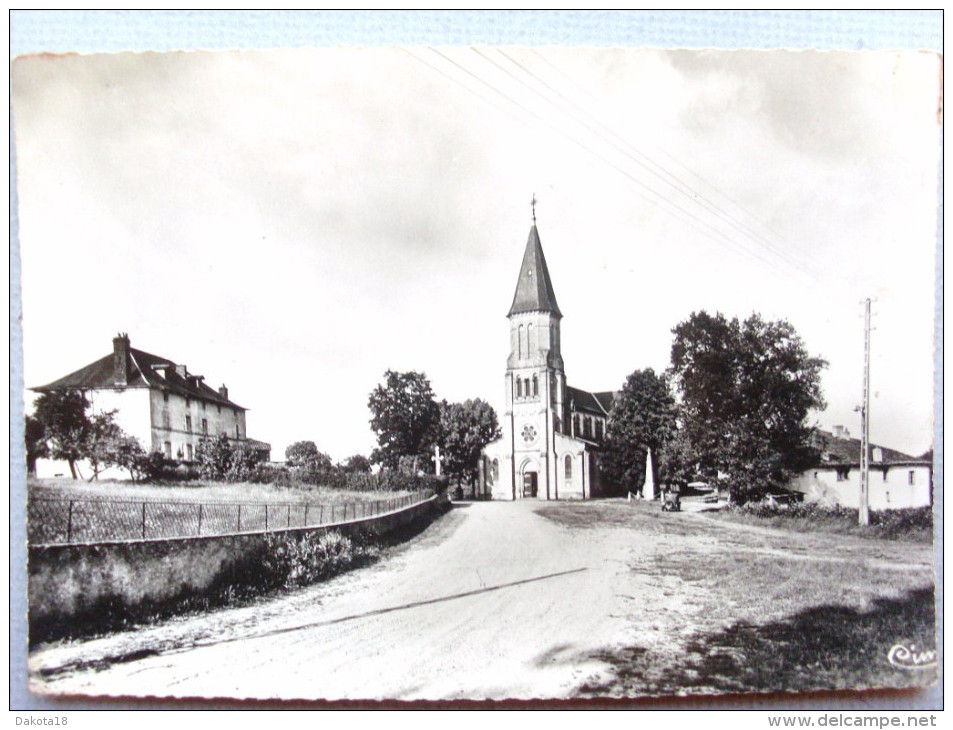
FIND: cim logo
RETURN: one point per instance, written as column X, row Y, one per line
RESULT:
column 909, row 656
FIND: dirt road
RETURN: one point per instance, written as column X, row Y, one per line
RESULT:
column 483, row 604
column 493, row 601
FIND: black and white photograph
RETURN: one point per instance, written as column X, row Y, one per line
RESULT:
column 470, row 373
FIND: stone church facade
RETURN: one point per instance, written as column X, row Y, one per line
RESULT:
column 551, row 431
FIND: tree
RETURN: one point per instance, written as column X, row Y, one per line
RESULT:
column 466, row 429
column 103, row 441
column 643, row 417
column 244, row 460
column 64, row 419
column 305, row 454
column 214, row 457
column 746, row 390
column 36, row 446
column 406, row 418
column 357, row 464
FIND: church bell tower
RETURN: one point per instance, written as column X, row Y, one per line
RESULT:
column 535, row 379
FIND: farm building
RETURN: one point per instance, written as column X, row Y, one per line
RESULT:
column 897, row 480
column 160, row 403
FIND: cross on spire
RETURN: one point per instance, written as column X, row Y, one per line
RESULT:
column 533, row 204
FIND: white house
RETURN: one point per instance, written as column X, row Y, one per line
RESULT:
column 896, row 481
column 160, row 403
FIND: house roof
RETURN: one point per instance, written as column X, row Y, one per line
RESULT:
column 534, row 289
column 597, row 403
column 144, row 371
column 846, row 451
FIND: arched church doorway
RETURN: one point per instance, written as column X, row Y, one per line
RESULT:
column 530, row 484
column 529, row 479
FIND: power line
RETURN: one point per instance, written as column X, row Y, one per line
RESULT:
column 706, row 229
column 659, row 171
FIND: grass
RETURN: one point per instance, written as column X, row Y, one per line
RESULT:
column 197, row 491
column 734, row 605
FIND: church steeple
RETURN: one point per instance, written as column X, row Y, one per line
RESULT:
column 534, row 289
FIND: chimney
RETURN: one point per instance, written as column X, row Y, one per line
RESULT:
column 182, row 371
column 838, row 432
column 223, row 391
column 121, row 359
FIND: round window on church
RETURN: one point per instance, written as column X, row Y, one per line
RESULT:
column 529, row 433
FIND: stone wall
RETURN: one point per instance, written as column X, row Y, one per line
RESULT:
column 78, row 582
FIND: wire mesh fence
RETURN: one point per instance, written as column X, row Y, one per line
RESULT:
column 73, row 521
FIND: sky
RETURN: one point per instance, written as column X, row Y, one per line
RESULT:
column 293, row 223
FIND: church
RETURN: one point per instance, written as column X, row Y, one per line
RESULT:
column 551, row 431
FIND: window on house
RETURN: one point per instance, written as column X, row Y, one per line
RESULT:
column 205, row 426
column 911, row 477
column 495, row 470
column 166, row 420
column 188, row 402
column 535, row 386
column 568, row 468
column 599, row 429
column 238, row 434
column 203, row 405
column 519, row 343
column 165, row 396
column 841, row 476
column 530, row 340
column 188, row 451
column 218, row 407
column 167, row 447
column 519, row 387
column 188, row 424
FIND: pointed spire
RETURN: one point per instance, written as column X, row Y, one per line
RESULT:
column 534, row 289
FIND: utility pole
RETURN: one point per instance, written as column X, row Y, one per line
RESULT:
column 864, row 511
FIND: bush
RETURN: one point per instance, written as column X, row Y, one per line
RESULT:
column 155, row 467
column 292, row 561
column 915, row 523
column 902, row 522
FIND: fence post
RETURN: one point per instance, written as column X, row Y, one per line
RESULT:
column 305, row 514
column 143, row 520
column 200, row 518
column 239, row 518
column 69, row 523
column 332, row 512
column 266, row 516
column 289, row 515
column 321, row 515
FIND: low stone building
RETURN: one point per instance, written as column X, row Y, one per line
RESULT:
column 163, row 405
column 896, row 480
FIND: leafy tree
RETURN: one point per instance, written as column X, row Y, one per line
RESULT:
column 406, row 418
column 36, row 446
column 746, row 391
column 356, row 464
column 466, row 429
column 643, row 417
column 104, row 438
column 214, row 457
column 64, row 419
column 244, row 459
column 127, row 453
column 305, row 454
